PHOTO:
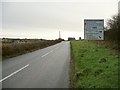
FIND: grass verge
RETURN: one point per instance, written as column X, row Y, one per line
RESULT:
column 94, row 67
column 14, row 49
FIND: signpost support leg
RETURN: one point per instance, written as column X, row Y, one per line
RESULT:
column 98, row 43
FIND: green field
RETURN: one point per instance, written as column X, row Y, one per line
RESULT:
column 95, row 67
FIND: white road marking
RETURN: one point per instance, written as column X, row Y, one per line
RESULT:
column 47, row 53
column 44, row 55
column 57, row 47
column 51, row 51
column 14, row 73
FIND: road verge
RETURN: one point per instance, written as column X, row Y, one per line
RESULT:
column 94, row 67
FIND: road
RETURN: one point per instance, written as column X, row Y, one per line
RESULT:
column 44, row 68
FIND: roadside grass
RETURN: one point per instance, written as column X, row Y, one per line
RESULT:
column 14, row 49
column 95, row 67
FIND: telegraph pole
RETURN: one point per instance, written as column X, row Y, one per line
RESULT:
column 59, row 35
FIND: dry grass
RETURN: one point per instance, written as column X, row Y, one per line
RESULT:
column 14, row 49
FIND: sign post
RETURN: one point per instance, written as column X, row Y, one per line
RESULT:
column 94, row 29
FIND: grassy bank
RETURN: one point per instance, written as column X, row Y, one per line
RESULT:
column 14, row 49
column 95, row 67
column 110, row 44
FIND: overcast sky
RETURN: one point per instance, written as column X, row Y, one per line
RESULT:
column 43, row 19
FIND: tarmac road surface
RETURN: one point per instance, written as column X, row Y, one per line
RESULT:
column 44, row 68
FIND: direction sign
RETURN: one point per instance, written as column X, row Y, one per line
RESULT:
column 94, row 29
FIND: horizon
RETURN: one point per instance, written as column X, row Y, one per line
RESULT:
column 45, row 19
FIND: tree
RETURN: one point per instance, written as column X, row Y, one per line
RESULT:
column 112, row 34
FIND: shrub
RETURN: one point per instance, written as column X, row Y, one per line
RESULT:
column 13, row 49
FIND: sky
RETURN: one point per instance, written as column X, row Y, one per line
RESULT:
column 44, row 19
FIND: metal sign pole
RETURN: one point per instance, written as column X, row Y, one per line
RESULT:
column 98, row 44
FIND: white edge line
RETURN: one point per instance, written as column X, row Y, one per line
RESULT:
column 14, row 73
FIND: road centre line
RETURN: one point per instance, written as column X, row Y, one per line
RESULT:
column 46, row 54
column 24, row 67
column 49, row 52
column 14, row 73
column 57, row 47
